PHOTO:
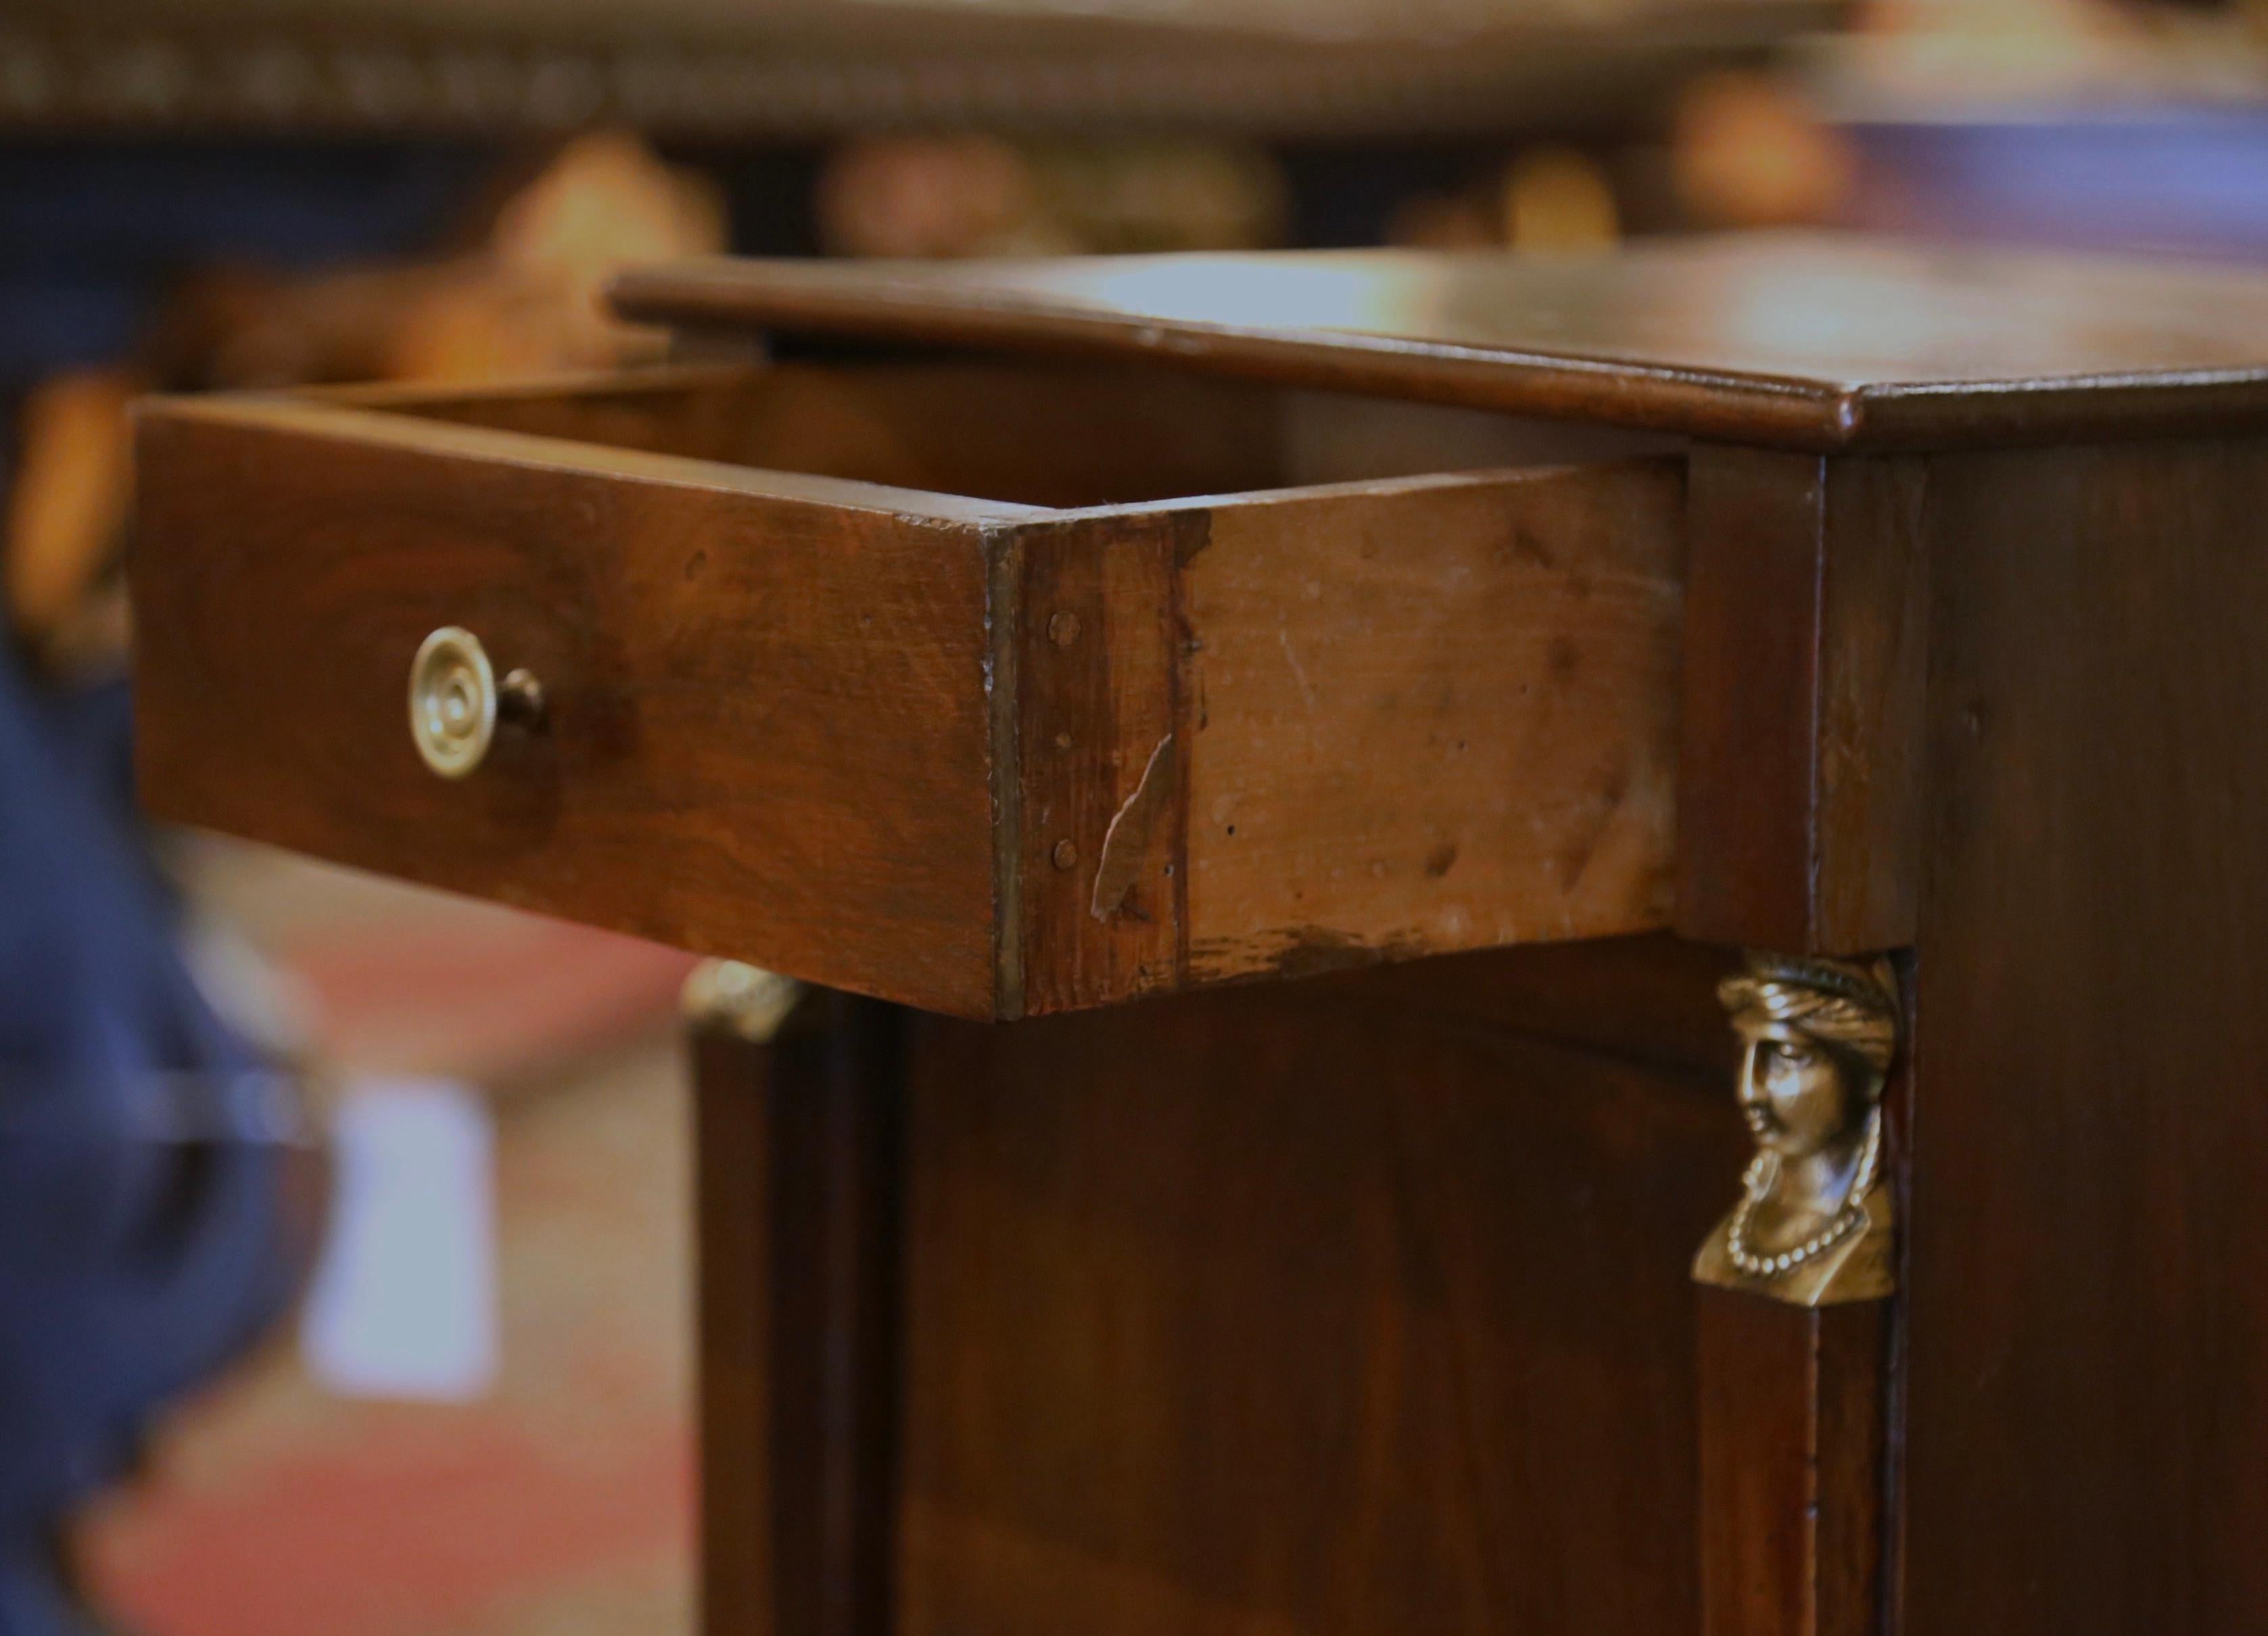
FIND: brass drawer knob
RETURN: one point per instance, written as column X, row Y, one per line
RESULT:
column 455, row 701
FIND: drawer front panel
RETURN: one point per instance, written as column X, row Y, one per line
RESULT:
column 766, row 733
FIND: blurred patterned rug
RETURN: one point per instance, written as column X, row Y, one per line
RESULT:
column 559, row 1503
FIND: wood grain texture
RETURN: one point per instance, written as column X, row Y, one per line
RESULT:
column 1874, row 645
column 2088, row 1236
column 1799, row 768
column 798, row 1150
column 1793, row 1432
column 1431, row 715
column 1037, row 432
column 1650, row 999
column 973, row 755
column 1063, row 435
column 1748, row 746
column 1102, row 801
column 1295, row 1309
column 735, row 1391
column 768, row 735
column 1816, row 341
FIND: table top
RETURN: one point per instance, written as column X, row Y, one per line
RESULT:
column 1805, row 340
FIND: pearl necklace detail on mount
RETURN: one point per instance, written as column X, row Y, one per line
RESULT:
column 1848, row 1220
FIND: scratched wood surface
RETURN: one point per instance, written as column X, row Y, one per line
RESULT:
column 969, row 753
column 1097, row 798
column 1431, row 715
column 1277, row 733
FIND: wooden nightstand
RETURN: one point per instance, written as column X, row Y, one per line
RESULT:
column 1031, row 638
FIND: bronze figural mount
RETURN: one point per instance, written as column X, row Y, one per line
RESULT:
column 1813, row 1223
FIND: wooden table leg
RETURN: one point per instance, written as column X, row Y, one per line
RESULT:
column 797, row 1166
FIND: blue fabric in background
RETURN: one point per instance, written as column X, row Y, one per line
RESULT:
column 141, row 1246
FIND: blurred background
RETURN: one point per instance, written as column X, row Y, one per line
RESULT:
column 203, row 193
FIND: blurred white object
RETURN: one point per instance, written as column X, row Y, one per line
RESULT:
column 404, row 1299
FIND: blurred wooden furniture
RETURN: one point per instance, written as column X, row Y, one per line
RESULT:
column 798, row 70
column 1029, row 637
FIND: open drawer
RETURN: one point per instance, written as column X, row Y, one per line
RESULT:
column 993, row 688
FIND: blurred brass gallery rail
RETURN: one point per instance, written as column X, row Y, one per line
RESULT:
column 62, row 74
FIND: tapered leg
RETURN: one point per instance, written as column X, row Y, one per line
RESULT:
column 798, row 1168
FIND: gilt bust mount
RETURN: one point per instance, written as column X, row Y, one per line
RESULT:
column 1814, row 1225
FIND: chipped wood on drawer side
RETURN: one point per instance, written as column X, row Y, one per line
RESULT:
column 1405, row 718
column 1438, row 716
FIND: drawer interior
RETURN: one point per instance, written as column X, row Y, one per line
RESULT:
column 1060, row 435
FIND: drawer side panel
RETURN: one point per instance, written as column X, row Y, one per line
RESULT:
column 1433, row 715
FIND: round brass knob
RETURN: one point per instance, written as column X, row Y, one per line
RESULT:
column 453, row 701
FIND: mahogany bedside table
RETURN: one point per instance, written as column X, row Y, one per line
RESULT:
column 1224, row 635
